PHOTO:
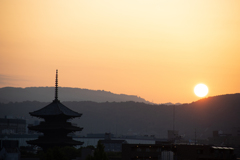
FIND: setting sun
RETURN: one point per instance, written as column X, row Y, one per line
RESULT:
column 158, row 50
column 201, row 90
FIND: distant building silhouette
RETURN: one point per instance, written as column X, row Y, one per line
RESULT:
column 222, row 139
column 55, row 128
column 9, row 149
column 112, row 145
column 12, row 126
column 176, row 151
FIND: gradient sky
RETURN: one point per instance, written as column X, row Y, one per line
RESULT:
column 156, row 49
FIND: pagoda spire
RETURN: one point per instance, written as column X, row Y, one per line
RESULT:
column 56, row 86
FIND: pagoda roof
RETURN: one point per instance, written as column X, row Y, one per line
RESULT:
column 54, row 109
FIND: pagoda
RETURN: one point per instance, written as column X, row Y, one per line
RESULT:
column 56, row 127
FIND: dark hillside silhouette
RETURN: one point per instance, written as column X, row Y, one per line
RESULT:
column 44, row 94
column 206, row 115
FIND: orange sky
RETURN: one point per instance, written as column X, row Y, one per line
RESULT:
column 156, row 49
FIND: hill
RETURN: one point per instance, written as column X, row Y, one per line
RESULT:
column 46, row 94
column 206, row 115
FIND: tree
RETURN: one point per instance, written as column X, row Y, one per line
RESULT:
column 60, row 153
column 99, row 153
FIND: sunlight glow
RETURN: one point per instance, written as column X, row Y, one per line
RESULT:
column 201, row 90
column 155, row 49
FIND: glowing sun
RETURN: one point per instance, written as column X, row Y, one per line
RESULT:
column 201, row 90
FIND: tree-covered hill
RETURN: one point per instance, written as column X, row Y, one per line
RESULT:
column 206, row 115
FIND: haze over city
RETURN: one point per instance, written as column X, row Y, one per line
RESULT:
column 158, row 50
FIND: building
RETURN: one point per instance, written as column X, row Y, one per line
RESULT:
column 204, row 152
column 55, row 127
column 145, row 151
column 9, row 150
column 98, row 135
column 220, row 138
column 112, row 145
column 12, row 126
column 179, row 152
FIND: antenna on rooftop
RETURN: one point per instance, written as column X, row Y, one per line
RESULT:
column 56, row 86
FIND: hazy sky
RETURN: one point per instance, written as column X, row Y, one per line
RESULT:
column 156, row 49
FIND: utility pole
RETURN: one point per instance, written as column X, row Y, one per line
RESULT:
column 195, row 137
column 173, row 117
column 174, row 136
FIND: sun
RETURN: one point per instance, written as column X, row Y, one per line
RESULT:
column 201, row 90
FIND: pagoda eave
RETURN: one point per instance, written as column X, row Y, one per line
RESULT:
column 51, row 142
column 55, row 115
column 38, row 128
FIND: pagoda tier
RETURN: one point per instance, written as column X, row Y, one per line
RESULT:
column 46, row 143
column 55, row 128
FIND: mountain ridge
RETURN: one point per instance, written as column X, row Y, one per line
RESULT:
column 46, row 94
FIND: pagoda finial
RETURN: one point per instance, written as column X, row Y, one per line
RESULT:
column 56, row 86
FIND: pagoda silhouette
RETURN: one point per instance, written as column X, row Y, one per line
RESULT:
column 56, row 127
